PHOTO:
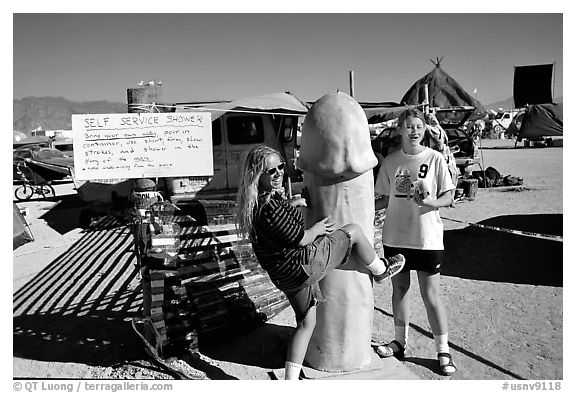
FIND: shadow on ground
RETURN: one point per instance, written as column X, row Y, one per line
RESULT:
column 263, row 347
column 65, row 215
column 71, row 212
column 490, row 255
column 79, row 307
column 96, row 340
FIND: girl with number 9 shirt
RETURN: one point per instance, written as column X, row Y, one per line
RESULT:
column 415, row 182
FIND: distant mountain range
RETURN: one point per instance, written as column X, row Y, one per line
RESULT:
column 55, row 113
column 509, row 104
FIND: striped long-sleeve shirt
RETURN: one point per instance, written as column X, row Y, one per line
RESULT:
column 278, row 228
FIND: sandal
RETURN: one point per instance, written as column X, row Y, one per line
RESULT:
column 444, row 368
column 386, row 351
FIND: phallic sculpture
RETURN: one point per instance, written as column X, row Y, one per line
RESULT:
column 337, row 160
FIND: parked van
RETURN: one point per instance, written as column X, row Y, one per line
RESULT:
column 233, row 134
column 65, row 145
column 502, row 120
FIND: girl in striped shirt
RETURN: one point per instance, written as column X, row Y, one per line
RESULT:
column 294, row 257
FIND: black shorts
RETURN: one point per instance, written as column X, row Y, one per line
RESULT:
column 423, row 260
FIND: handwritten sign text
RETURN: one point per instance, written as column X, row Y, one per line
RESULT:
column 135, row 145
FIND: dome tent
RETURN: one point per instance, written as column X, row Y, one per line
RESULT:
column 542, row 120
column 18, row 137
column 443, row 91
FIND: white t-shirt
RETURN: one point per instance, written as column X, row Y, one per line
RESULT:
column 406, row 224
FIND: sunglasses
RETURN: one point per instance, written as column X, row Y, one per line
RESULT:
column 273, row 171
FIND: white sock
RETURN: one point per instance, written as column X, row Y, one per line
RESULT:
column 292, row 371
column 441, row 342
column 401, row 334
column 377, row 266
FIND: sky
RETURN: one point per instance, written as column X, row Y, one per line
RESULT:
column 223, row 56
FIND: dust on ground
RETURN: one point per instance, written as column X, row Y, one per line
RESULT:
column 503, row 293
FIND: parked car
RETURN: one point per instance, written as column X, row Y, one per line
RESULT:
column 502, row 120
column 42, row 154
column 460, row 141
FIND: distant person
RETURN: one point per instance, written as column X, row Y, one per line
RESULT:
column 436, row 138
column 478, row 129
column 294, row 257
column 414, row 183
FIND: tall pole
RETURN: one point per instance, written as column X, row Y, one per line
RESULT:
column 481, row 149
column 351, row 83
column 553, row 79
column 426, row 101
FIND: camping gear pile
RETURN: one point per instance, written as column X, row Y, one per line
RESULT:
column 491, row 177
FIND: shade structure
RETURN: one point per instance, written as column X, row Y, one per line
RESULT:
column 284, row 103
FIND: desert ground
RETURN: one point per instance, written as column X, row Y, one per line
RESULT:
column 503, row 293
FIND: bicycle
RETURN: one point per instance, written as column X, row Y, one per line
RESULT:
column 28, row 189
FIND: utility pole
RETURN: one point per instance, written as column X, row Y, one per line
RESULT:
column 351, row 83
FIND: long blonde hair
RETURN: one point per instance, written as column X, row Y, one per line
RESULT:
column 247, row 197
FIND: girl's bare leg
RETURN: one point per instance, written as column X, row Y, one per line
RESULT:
column 430, row 292
column 299, row 344
column 361, row 246
column 364, row 251
column 400, row 301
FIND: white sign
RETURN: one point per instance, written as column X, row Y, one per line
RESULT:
column 135, row 145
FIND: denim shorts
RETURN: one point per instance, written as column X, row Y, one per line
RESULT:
column 323, row 255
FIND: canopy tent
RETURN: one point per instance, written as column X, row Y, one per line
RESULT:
column 378, row 112
column 284, row 103
column 443, row 91
column 542, row 120
column 21, row 232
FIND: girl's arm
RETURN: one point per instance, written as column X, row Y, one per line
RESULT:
column 444, row 200
column 322, row 227
column 298, row 201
